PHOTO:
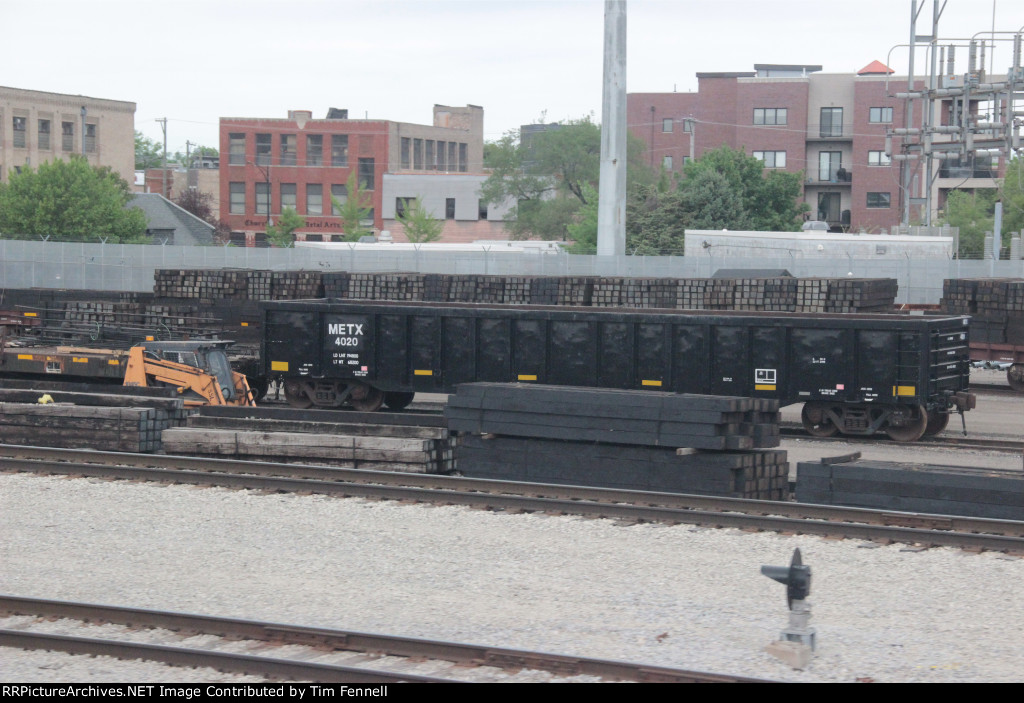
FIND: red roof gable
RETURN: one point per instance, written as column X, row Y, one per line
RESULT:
column 875, row 68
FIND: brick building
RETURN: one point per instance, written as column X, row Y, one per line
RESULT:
column 831, row 127
column 36, row 127
column 300, row 162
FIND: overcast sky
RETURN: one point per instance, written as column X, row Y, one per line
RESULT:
column 195, row 61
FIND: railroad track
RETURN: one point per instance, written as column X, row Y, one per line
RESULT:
column 304, row 653
column 996, row 390
column 944, row 441
column 627, row 506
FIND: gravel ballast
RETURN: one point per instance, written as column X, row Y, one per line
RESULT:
column 672, row 596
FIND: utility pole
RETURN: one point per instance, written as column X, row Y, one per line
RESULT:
column 84, row 111
column 163, row 126
column 611, row 204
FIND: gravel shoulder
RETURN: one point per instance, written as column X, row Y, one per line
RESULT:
column 674, row 596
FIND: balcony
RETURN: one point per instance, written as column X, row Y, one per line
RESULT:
column 829, row 132
column 830, row 177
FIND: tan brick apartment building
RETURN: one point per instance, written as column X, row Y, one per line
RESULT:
column 832, row 127
column 36, row 127
column 300, row 162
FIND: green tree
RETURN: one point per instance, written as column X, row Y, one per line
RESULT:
column 1012, row 194
column 656, row 218
column 973, row 212
column 710, row 201
column 148, row 153
column 547, row 177
column 354, row 210
column 70, row 201
column 283, row 233
column 419, row 225
column 769, row 203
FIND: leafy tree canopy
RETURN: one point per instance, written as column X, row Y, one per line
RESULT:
column 548, row 176
column 354, row 210
column 148, row 153
column 69, row 201
column 283, row 233
column 419, row 225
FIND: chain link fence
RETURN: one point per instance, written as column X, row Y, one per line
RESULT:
column 131, row 267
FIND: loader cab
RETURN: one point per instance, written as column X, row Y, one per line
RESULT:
column 208, row 356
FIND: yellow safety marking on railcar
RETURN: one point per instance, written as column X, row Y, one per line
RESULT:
column 904, row 390
column 150, row 339
column 764, row 387
column 527, row 377
column 80, row 359
column 31, row 314
column 650, row 383
column 114, row 362
column 423, row 372
column 245, row 324
column 278, row 365
column 25, row 357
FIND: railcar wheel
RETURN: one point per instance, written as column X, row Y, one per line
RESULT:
column 296, row 396
column 913, row 423
column 1015, row 377
column 397, row 400
column 936, row 422
column 817, row 421
column 371, row 401
column 259, row 387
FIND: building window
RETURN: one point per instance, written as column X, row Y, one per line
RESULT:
column 366, row 174
column 440, row 156
column 289, row 196
column 878, row 200
column 829, row 163
column 417, row 154
column 403, row 206
column 339, row 150
column 263, row 146
column 339, row 196
column 771, row 115
column 449, row 208
column 67, row 136
column 463, row 157
column 368, row 220
column 406, row 143
column 666, row 162
column 90, row 138
column 481, row 207
column 771, row 159
column 236, row 149
column 878, row 158
column 237, row 198
column 44, row 134
column 288, row 142
column 880, row 114
column 453, row 163
column 831, row 122
column 666, row 125
column 262, row 198
column 315, row 150
column 20, row 131
column 688, row 125
column 314, row 199
column 431, row 163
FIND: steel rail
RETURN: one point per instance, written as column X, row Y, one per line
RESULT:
column 34, row 459
column 352, row 641
column 267, row 667
column 765, row 518
column 960, row 442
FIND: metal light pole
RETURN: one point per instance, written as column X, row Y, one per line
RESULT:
column 611, row 205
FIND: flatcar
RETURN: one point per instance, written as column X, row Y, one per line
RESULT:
column 856, row 374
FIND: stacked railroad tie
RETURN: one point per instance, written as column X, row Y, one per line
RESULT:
column 860, row 294
column 917, row 488
column 995, row 304
column 377, row 441
column 102, row 422
column 773, row 294
column 642, row 440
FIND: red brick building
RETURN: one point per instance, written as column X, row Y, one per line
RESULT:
column 831, row 127
column 269, row 164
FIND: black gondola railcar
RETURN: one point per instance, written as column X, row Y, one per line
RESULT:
column 855, row 373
